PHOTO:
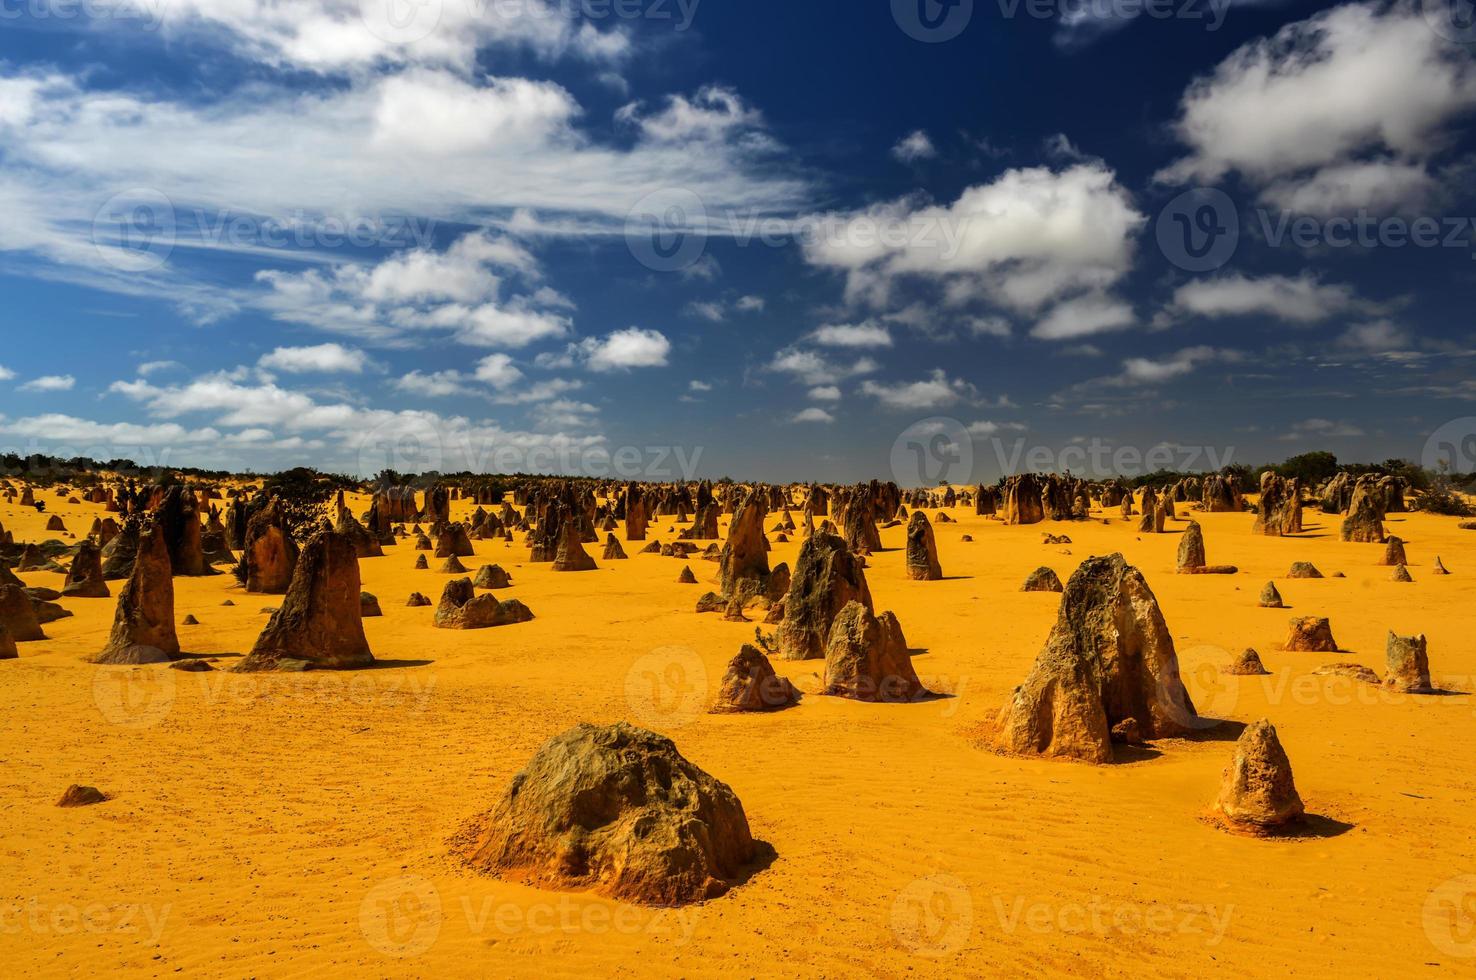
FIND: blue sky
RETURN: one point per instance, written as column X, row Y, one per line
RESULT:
column 709, row 237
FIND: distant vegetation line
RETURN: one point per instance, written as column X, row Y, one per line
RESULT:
column 1311, row 469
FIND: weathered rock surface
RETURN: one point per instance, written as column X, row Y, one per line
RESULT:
column 1257, row 793
column 619, row 811
column 1109, row 657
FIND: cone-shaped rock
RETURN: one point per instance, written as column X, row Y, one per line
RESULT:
column 492, row 577
column 922, row 550
column 619, row 811
column 1191, row 549
column 416, row 600
column 686, row 577
column 369, row 605
column 366, row 544
column 1394, row 553
column 85, row 578
column 866, row 658
column 744, row 561
column 320, row 623
column 451, row 566
column 1043, row 579
column 81, row 796
column 1303, row 569
column 1438, row 568
column 143, row 626
column 571, row 556
column 1191, row 554
column 1257, row 792
column 1247, row 664
column 613, row 551
column 1365, row 518
column 750, row 684
column 1311, row 634
column 1400, row 574
column 1108, row 658
column 827, row 576
column 453, row 541
column 1270, row 598
column 1409, row 664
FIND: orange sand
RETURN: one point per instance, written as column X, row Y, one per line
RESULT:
column 291, row 825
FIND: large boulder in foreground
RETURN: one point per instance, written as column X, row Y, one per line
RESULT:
column 143, row 625
column 616, row 810
column 1108, row 659
column 827, row 576
column 1257, row 793
column 320, row 624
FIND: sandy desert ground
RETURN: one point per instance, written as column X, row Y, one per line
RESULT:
column 288, row 825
